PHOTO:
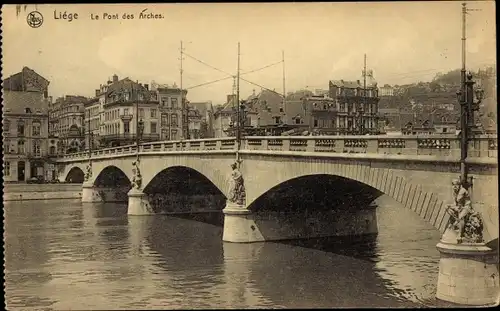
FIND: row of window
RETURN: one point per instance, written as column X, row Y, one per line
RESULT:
column 94, row 124
column 60, row 112
column 166, row 121
column 343, row 123
column 21, row 128
column 169, row 102
column 21, row 149
column 72, row 121
column 92, row 111
column 356, row 92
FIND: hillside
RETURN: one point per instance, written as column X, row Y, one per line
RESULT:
column 436, row 100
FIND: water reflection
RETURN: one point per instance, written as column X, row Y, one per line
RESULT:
column 67, row 255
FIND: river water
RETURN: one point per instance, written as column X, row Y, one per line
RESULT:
column 66, row 255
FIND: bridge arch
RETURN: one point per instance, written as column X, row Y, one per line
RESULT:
column 65, row 170
column 75, row 175
column 427, row 204
column 214, row 170
column 111, row 176
column 183, row 180
column 316, row 191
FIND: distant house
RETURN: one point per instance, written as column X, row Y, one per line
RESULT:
column 430, row 128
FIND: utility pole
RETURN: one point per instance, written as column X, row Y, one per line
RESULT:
column 284, row 91
column 361, row 125
column 136, row 117
column 463, row 104
column 184, row 114
column 468, row 106
column 238, row 129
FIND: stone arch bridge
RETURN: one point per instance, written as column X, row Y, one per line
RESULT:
column 287, row 176
column 415, row 171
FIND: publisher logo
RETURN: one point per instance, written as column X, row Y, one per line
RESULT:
column 35, row 19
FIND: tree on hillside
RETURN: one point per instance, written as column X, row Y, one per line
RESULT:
column 451, row 77
column 435, row 86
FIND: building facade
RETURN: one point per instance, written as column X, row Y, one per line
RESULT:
column 113, row 116
column 66, row 123
column 224, row 117
column 25, row 137
column 386, row 90
column 206, row 112
column 170, row 111
column 357, row 106
column 25, row 128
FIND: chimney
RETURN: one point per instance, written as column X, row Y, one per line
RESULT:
column 146, row 86
column 97, row 93
column 115, row 78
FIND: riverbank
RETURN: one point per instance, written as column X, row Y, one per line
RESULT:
column 22, row 192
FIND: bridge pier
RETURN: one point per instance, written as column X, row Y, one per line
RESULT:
column 239, row 225
column 94, row 194
column 138, row 203
column 468, row 272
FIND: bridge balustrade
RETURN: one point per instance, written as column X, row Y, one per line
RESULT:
column 484, row 146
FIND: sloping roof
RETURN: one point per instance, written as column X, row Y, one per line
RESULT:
column 346, row 84
column 370, row 83
column 16, row 102
column 298, row 95
column 26, row 80
column 125, row 84
column 294, row 108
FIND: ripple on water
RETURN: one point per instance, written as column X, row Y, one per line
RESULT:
column 63, row 256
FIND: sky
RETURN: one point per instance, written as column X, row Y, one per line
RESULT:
column 404, row 42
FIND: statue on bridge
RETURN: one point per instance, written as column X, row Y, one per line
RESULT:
column 237, row 192
column 88, row 172
column 463, row 219
column 137, row 179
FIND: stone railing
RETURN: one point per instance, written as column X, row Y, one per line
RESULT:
column 436, row 145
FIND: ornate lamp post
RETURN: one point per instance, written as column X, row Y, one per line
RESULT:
column 468, row 105
column 468, row 270
column 88, row 173
column 138, row 202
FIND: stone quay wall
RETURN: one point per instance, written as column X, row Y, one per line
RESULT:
column 21, row 191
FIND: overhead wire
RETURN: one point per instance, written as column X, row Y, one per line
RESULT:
column 220, row 70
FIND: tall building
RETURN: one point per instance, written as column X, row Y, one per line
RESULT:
column 223, row 117
column 111, row 118
column 27, row 149
column 194, row 123
column 170, row 110
column 386, row 90
column 206, row 112
column 357, row 108
column 66, row 123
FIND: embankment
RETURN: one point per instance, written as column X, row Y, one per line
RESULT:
column 21, row 192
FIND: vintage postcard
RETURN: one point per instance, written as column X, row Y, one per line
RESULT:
column 250, row 155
